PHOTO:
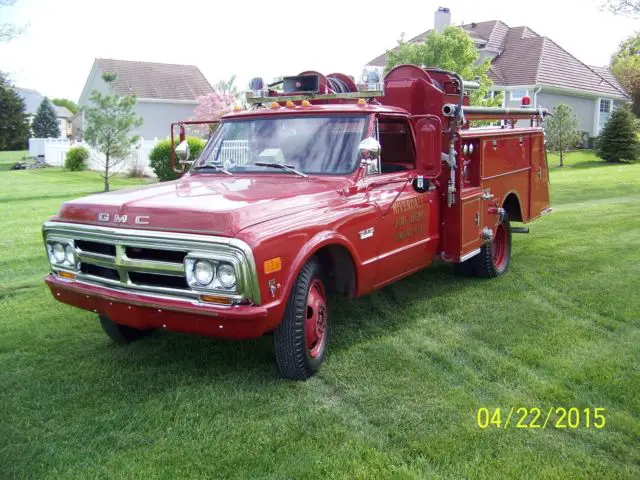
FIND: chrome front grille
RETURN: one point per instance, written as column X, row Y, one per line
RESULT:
column 130, row 271
column 151, row 261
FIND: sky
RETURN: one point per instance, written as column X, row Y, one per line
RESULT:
column 266, row 39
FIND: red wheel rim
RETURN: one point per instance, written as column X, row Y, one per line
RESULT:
column 499, row 250
column 316, row 318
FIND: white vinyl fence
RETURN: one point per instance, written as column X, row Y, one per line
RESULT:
column 234, row 152
column 55, row 151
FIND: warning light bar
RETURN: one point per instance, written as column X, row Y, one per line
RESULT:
column 366, row 90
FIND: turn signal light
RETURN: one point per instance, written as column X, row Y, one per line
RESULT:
column 68, row 275
column 237, row 108
column 290, row 104
column 361, row 101
column 275, row 105
column 273, row 265
column 305, row 103
column 216, row 299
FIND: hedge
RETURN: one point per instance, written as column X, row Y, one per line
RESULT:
column 160, row 157
column 76, row 159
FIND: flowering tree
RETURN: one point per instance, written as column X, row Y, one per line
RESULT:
column 214, row 105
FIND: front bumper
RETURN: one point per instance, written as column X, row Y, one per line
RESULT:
column 153, row 311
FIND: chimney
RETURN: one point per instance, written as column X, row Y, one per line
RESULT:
column 441, row 19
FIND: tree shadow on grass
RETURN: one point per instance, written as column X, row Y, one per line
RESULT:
column 587, row 165
column 352, row 321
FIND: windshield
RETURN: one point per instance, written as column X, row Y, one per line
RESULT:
column 311, row 145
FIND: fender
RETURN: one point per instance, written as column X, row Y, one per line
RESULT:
column 525, row 217
column 319, row 240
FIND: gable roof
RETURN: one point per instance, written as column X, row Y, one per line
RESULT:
column 33, row 99
column 160, row 81
column 605, row 73
column 526, row 58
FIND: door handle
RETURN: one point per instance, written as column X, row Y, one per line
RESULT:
column 539, row 172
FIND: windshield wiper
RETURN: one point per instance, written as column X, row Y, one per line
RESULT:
column 215, row 168
column 281, row 166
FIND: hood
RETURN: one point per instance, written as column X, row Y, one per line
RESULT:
column 209, row 204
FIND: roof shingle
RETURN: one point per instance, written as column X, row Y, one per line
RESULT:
column 162, row 81
column 526, row 58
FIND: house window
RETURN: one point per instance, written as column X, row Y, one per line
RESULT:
column 518, row 94
column 604, row 112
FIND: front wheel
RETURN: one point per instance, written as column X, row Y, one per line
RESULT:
column 121, row 333
column 301, row 339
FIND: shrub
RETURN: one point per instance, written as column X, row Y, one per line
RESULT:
column 619, row 137
column 76, row 159
column 160, row 157
column 136, row 168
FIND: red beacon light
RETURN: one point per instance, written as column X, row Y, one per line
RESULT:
column 526, row 101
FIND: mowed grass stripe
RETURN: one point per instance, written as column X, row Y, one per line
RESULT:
column 409, row 366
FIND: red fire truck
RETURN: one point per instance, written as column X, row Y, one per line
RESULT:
column 320, row 187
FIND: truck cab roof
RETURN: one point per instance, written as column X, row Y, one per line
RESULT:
column 332, row 109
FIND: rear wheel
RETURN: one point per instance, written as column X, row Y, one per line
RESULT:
column 301, row 339
column 495, row 255
column 121, row 333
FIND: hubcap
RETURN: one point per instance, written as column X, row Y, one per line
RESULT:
column 499, row 250
column 316, row 318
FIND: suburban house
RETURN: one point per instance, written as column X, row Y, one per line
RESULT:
column 165, row 92
column 33, row 99
column 524, row 63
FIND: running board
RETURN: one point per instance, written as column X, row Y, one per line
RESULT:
column 519, row 229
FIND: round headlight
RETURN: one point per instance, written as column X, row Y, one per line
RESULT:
column 58, row 252
column 70, row 255
column 203, row 271
column 227, row 275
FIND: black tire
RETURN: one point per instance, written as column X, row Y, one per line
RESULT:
column 121, row 333
column 464, row 269
column 484, row 264
column 294, row 359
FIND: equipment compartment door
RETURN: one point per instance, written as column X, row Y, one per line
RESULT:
column 470, row 224
column 539, row 178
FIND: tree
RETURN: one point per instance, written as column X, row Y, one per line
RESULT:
column 627, row 8
column 110, row 122
column 214, row 105
column 562, row 131
column 14, row 124
column 68, row 104
column 8, row 31
column 625, row 66
column 451, row 50
column 619, row 137
column 45, row 124
column 227, row 86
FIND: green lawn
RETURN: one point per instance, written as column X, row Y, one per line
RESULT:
column 9, row 159
column 407, row 371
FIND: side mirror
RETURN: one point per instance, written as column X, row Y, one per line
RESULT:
column 182, row 152
column 370, row 154
column 429, row 146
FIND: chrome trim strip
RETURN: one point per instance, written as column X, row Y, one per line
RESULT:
column 469, row 255
column 224, row 246
column 511, row 172
column 546, row 211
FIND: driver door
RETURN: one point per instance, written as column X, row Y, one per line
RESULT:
column 405, row 229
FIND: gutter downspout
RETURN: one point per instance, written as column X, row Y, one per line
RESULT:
column 535, row 104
